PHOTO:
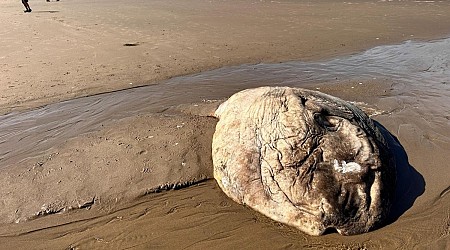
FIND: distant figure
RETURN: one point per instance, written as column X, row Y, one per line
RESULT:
column 27, row 7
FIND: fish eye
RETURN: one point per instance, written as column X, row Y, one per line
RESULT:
column 328, row 122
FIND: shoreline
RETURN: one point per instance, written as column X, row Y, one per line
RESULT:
column 42, row 102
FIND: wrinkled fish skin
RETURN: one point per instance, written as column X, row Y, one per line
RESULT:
column 303, row 158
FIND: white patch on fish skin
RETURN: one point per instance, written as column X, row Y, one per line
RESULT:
column 346, row 167
column 225, row 181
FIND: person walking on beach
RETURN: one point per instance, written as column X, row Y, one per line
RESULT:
column 27, row 7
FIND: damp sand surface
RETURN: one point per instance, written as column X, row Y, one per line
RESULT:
column 76, row 48
column 132, row 168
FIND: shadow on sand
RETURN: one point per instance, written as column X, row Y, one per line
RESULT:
column 410, row 183
column 45, row 11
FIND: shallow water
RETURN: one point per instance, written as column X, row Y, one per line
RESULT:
column 419, row 69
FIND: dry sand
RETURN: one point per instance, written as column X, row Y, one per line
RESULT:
column 118, row 174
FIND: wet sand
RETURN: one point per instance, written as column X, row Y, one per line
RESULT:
column 144, row 180
column 77, row 48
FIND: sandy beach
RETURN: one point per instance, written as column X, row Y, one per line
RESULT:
column 106, row 127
